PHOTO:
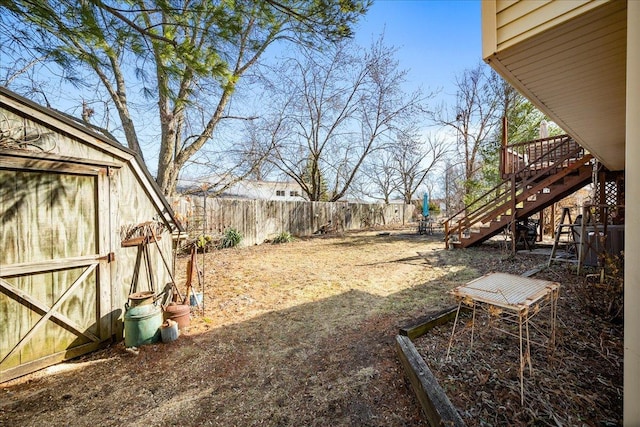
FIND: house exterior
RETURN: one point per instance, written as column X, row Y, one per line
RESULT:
column 285, row 191
column 69, row 197
column 579, row 62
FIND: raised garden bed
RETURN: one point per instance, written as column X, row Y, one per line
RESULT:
column 578, row 383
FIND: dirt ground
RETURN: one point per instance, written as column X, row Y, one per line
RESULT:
column 292, row 334
column 576, row 382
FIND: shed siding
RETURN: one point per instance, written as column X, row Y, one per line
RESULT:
column 46, row 216
column 132, row 206
column 50, row 337
column 49, row 140
column 65, row 195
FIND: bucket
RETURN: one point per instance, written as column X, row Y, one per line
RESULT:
column 169, row 331
column 195, row 299
column 142, row 325
column 178, row 313
column 141, row 298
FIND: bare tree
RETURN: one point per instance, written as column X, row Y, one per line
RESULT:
column 453, row 182
column 379, row 178
column 402, row 166
column 187, row 57
column 339, row 108
column 414, row 159
column 474, row 119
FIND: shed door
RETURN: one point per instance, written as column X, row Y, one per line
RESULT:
column 50, row 262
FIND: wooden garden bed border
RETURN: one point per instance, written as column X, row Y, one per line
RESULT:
column 434, row 401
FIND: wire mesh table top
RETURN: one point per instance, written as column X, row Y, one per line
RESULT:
column 506, row 290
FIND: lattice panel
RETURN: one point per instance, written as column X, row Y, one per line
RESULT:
column 609, row 191
column 618, row 211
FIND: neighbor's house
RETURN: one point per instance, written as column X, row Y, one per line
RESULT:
column 265, row 190
column 68, row 197
column 284, row 191
column 579, row 62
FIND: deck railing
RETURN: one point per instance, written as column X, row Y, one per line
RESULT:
column 528, row 158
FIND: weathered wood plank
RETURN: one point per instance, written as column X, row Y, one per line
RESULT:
column 537, row 269
column 25, row 338
column 49, row 265
column 435, row 403
column 39, row 165
column 424, row 324
column 38, row 241
column 28, row 367
column 63, row 161
column 118, row 296
column 43, row 309
column 103, row 231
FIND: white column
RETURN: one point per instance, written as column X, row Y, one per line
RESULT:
column 632, row 222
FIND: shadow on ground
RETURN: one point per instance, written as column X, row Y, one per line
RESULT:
column 329, row 362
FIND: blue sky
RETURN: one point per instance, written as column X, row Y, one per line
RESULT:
column 436, row 40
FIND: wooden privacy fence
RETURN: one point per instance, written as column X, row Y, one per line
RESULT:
column 260, row 220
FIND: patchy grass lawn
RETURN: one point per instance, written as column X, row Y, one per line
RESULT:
column 293, row 334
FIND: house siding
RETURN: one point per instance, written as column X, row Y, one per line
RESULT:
column 520, row 20
column 564, row 63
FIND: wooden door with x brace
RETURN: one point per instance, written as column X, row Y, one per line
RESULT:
column 54, row 280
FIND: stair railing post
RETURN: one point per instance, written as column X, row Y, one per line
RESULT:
column 582, row 245
column 513, row 214
column 503, row 148
column 446, row 235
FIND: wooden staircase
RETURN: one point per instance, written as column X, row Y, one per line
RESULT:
column 536, row 174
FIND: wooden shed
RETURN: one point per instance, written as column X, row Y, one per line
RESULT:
column 67, row 195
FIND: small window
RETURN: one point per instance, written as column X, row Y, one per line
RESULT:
column 280, row 193
column 294, row 194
